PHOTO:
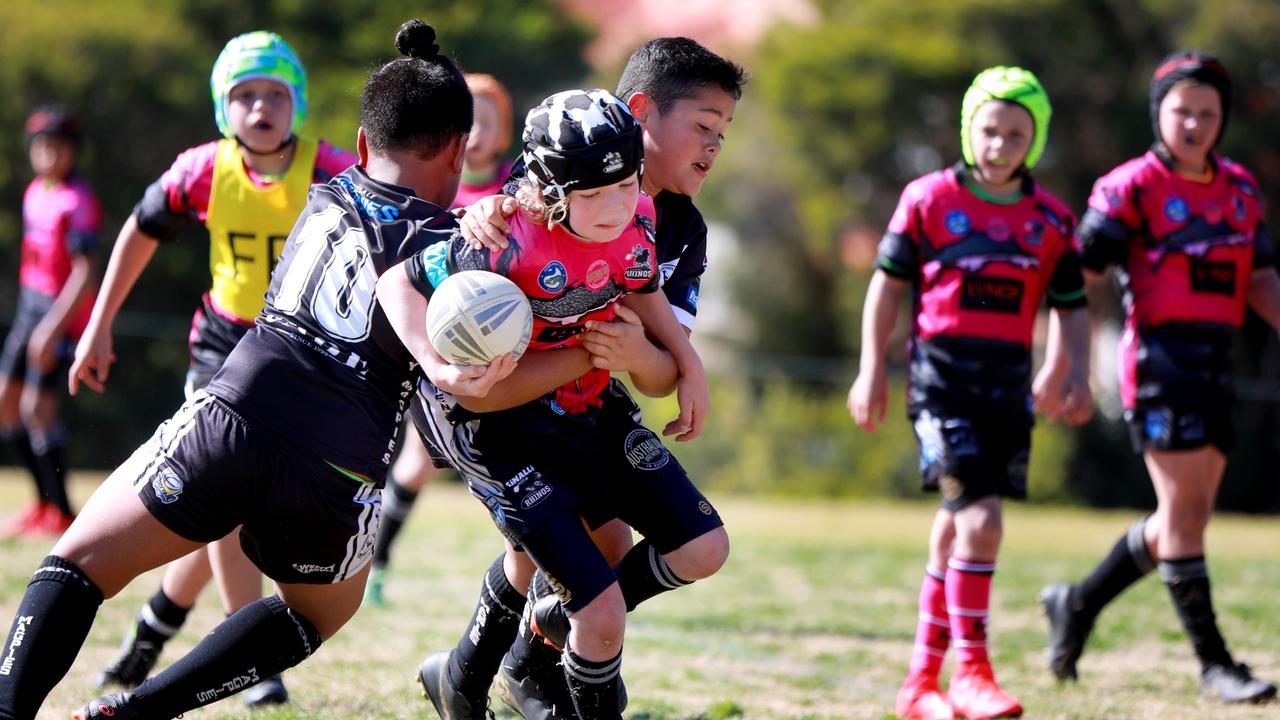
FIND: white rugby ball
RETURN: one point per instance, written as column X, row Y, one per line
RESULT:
column 474, row 316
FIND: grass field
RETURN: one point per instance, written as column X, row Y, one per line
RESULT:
column 813, row 617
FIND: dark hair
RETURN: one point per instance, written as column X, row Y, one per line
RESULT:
column 418, row 102
column 53, row 120
column 673, row 68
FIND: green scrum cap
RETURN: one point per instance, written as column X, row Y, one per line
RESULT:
column 1015, row 85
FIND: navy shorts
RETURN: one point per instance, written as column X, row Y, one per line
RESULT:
column 207, row 470
column 967, row 459
column 539, row 472
column 32, row 307
column 1166, row 427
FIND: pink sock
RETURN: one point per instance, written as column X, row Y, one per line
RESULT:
column 933, row 630
column 968, row 588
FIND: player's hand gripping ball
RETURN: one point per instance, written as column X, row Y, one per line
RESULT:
column 475, row 316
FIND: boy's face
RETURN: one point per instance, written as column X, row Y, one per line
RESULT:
column 682, row 144
column 1000, row 135
column 52, row 156
column 260, row 112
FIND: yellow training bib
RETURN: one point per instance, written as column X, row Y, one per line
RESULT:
column 248, row 226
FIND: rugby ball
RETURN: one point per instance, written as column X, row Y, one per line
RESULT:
column 474, row 316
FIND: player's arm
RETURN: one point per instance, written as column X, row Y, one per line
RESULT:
column 47, row 335
column 502, row 384
column 690, row 383
column 1061, row 388
column 129, row 257
column 869, row 395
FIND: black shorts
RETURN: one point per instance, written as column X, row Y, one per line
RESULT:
column 32, row 307
column 207, row 470
column 539, row 473
column 1166, row 427
column 211, row 340
column 967, row 459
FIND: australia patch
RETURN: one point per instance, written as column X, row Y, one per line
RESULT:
column 645, row 451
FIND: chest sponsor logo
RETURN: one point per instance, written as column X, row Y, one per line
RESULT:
column 640, row 268
column 167, row 486
column 1218, row 278
column 991, row 294
column 552, row 277
column 645, row 451
column 998, row 230
column 957, row 222
column 597, row 275
column 1175, row 208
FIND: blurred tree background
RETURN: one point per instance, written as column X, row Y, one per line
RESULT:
column 840, row 114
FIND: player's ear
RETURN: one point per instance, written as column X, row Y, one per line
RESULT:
column 642, row 107
column 458, row 152
column 362, row 147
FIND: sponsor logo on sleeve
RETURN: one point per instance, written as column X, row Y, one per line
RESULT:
column 640, row 268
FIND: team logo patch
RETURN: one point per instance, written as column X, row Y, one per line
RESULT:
column 1158, row 425
column 705, row 507
column 645, row 451
column 1212, row 212
column 167, row 486
column 538, row 491
column 1033, row 232
column 998, row 230
column 640, row 268
column 957, row 222
column 597, row 275
column 552, row 277
column 1175, row 208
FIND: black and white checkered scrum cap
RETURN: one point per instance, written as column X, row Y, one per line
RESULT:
column 581, row 139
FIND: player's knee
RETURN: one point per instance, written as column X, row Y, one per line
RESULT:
column 601, row 623
column 701, row 557
column 1188, row 520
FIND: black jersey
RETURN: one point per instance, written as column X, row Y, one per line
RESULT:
column 323, row 367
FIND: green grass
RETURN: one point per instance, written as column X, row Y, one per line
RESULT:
column 813, row 617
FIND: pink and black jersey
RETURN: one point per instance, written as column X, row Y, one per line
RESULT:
column 59, row 220
column 980, row 269
column 568, row 282
column 1184, row 251
column 181, row 195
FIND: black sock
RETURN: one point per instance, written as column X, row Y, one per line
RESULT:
column 643, row 573
column 161, row 618
column 262, row 639
column 53, row 620
column 593, row 685
column 1188, row 581
column 51, row 468
column 475, row 661
column 1128, row 561
column 528, row 651
column 397, row 502
column 18, row 444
